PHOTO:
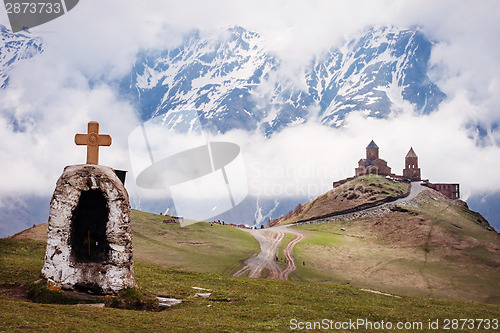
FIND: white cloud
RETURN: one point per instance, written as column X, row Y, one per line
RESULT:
column 43, row 107
column 303, row 161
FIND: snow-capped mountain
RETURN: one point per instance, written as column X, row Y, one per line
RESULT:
column 218, row 76
column 14, row 48
column 234, row 82
column 375, row 72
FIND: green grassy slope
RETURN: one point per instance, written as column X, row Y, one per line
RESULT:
column 436, row 248
column 198, row 247
column 237, row 304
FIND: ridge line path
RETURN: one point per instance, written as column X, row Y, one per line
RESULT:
column 271, row 238
column 414, row 191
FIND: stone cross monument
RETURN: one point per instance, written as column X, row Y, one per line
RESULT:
column 89, row 241
column 93, row 140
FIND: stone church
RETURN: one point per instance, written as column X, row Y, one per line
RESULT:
column 372, row 164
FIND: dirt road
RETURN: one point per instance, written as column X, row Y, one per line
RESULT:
column 415, row 189
column 270, row 240
column 288, row 253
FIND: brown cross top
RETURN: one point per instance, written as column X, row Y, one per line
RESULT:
column 93, row 140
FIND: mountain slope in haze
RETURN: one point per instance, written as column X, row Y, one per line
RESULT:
column 15, row 48
column 234, row 81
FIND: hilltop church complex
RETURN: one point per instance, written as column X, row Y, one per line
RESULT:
column 372, row 164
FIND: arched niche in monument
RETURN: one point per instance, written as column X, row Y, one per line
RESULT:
column 88, row 227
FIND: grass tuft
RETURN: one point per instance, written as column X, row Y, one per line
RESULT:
column 38, row 292
column 133, row 299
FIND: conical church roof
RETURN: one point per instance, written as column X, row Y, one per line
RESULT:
column 411, row 153
column 372, row 145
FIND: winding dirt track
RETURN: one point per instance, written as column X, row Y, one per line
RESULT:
column 270, row 240
column 288, row 252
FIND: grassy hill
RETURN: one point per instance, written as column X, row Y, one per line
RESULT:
column 434, row 247
column 357, row 192
column 237, row 304
column 430, row 246
column 199, row 247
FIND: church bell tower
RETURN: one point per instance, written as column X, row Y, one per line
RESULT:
column 411, row 170
column 372, row 151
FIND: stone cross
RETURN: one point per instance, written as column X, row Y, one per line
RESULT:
column 93, row 140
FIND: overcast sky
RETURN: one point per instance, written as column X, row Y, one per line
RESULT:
column 97, row 41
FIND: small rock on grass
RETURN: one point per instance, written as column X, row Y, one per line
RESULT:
column 165, row 301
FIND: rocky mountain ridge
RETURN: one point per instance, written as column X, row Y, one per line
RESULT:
column 233, row 81
column 16, row 48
